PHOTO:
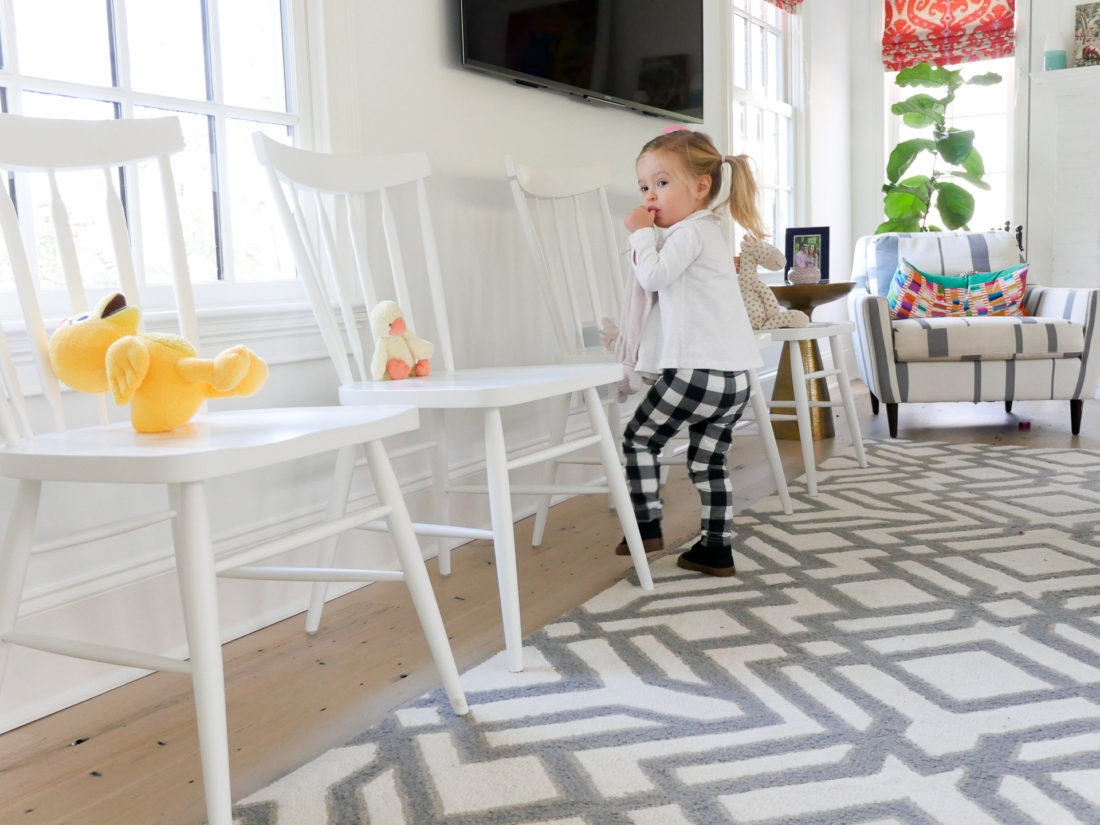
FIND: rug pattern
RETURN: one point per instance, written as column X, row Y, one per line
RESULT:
column 920, row 643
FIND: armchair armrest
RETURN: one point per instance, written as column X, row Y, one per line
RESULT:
column 874, row 344
column 1080, row 305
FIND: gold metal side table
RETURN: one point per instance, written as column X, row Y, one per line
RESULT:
column 806, row 297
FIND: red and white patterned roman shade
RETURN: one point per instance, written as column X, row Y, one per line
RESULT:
column 947, row 31
column 786, row 5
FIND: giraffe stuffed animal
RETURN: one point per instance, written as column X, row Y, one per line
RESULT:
column 763, row 308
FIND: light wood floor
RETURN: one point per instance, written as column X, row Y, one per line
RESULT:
column 129, row 757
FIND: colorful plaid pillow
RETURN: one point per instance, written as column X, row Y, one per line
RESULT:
column 917, row 294
column 997, row 293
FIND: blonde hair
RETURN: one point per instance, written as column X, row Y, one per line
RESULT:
column 698, row 156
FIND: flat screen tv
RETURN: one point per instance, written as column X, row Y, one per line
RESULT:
column 645, row 55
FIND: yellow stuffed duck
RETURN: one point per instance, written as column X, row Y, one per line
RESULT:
column 159, row 375
column 397, row 352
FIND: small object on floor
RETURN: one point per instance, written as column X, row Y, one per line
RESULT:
column 1024, row 425
column 652, row 538
column 704, row 558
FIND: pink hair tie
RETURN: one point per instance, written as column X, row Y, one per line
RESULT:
column 669, row 129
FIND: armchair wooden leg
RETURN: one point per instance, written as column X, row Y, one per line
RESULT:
column 892, row 418
column 1008, row 405
column 1076, row 406
column 874, row 404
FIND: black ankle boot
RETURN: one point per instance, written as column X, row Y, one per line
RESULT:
column 714, row 560
column 652, row 540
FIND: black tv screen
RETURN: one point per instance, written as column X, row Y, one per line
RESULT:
column 646, row 55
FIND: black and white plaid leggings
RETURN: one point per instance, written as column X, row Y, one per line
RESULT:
column 709, row 402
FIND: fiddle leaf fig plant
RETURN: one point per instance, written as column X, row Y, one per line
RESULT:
column 955, row 161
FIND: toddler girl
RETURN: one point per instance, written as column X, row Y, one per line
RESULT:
column 696, row 338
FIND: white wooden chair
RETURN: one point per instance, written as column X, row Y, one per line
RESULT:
column 578, row 261
column 212, row 446
column 337, row 194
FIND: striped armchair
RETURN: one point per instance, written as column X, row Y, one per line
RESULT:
column 1049, row 354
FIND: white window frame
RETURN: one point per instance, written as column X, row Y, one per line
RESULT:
column 788, row 106
column 303, row 29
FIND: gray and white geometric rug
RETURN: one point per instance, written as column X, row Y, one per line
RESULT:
column 919, row 644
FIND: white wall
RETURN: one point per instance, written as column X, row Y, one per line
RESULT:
column 1063, row 207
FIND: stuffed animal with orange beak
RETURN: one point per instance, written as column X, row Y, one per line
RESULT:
column 398, row 353
column 160, row 376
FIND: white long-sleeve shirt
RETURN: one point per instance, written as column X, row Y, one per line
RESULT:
column 700, row 321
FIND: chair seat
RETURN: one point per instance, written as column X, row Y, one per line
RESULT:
column 209, row 446
column 816, row 329
column 986, row 338
column 485, row 387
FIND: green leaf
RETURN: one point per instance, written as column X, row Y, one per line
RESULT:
column 956, row 146
column 928, row 76
column 904, row 204
column 920, row 185
column 973, row 180
column 955, row 204
column 987, row 79
column 898, row 225
column 920, row 111
column 974, row 164
column 903, row 155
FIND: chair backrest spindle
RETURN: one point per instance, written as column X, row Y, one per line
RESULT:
column 386, row 182
column 54, row 149
column 120, row 235
column 567, row 223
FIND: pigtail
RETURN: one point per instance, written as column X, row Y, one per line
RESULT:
column 744, row 196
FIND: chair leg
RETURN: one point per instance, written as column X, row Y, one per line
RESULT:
column 845, row 387
column 560, row 415
column 1008, row 405
column 15, row 555
column 337, row 505
column 802, row 412
column 767, row 436
column 616, row 482
column 194, row 553
column 504, row 539
column 1076, row 407
column 892, row 418
column 441, row 510
column 615, row 424
column 416, row 574
column 874, row 403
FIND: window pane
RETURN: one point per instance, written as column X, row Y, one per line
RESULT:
column 82, row 193
column 260, row 248
column 756, row 45
column 991, row 208
column 252, row 56
column 740, row 53
column 774, row 87
column 60, row 106
column 166, row 49
column 63, row 40
column 785, row 173
column 191, row 172
column 768, row 172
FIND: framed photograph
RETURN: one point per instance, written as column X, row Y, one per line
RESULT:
column 808, row 246
column 1086, row 35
